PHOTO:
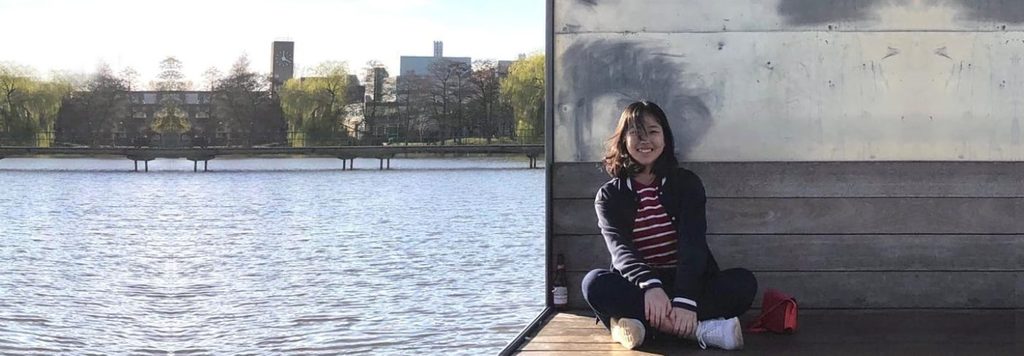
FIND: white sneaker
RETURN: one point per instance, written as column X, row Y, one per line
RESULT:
column 721, row 333
column 628, row 332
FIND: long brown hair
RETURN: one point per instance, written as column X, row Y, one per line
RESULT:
column 617, row 161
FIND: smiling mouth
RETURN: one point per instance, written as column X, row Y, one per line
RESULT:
column 646, row 150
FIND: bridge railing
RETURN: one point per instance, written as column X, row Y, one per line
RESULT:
column 221, row 142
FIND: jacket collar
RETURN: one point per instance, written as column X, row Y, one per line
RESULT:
column 629, row 182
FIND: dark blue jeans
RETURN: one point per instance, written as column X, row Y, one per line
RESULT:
column 727, row 294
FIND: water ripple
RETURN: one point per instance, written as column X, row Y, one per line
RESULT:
column 306, row 259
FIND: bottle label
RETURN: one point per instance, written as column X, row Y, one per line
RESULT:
column 561, row 295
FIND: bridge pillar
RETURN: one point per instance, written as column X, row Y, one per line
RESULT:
column 533, row 161
column 145, row 160
column 195, row 161
column 145, row 163
column 195, row 165
column 385, row 163
column 347, row 164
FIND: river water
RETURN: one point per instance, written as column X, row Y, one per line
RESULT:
column 269, row 256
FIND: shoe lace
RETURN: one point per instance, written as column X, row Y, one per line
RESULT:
column 703, row 334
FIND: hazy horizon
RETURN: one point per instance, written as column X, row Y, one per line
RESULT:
column 124, row 34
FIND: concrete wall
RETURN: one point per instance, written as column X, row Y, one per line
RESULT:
column 795, row 80
column 854, row 152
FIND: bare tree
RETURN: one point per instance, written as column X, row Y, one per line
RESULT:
column 130, row 77
column 486, row 107
column 243, row 99
column 414, row 107
column 171, row 77
column 449, row 92
column 104, row 102
column 212, row 75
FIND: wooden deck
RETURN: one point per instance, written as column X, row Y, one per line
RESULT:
column 822, row 332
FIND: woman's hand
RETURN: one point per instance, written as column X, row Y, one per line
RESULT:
column 684, row 323
column 657, row 307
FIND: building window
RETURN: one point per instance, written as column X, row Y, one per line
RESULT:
column 149, row 98
column 192, row 98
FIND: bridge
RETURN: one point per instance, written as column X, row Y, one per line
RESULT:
column 347, row 154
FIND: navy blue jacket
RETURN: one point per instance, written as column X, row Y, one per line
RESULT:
column 682, row 195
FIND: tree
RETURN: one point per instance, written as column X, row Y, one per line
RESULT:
column 171, row 77
column 15, row 83
column 297, row 103
column 315, row 106
column 212, row 76
column 130, row 77
column 170, row 119
column 488, row 110
column 104, row 102
column 44, row 104
column 449, row 91
column 244, row 101
column 379, row 110
column 414, row 107
column 524, row 90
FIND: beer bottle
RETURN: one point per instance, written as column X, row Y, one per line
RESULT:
column 560, row 292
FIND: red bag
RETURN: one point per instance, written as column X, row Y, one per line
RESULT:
column 778, row 313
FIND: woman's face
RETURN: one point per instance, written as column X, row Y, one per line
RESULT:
column 645, row 150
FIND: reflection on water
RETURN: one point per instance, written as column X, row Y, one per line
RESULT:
column 268, row 256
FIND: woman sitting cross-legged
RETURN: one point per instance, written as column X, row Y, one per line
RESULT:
column 663, row 280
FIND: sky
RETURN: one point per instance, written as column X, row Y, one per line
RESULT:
column 77, row 36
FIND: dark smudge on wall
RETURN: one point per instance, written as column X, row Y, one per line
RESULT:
column 1011, row 11
column 813, row 12
column 623, row 72
column 809, row 12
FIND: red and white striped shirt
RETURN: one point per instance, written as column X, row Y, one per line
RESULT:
column 654, row 234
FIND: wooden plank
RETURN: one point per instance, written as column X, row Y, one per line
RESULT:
column 867, row 216
column 765, row 345
column 823, row 179
column 831, row 216
column 569, row 331
column 573, row 317
column 785, row 15
column 837, row 332
column 572, row 346
column 589, row 325
column 874, row 290
column 597, row 338
column 583, row 353
column 822, row 252
column 576, row 180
